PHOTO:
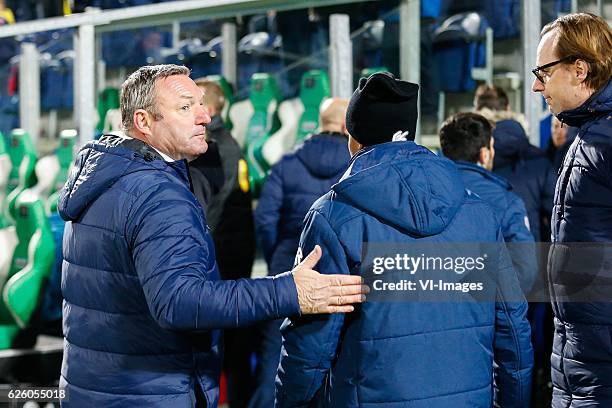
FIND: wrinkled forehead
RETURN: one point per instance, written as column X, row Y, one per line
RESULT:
column 178, row 86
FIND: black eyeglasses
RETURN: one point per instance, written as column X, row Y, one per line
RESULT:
column 536, row 70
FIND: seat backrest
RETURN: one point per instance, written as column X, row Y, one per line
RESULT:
column 281, row 141
column 264, row 97
column 107, row 100
column 459, row 46
column 8, row 242
column 46, row 170
column 23, row 159
column 313, row 89
column 31, row 263
column 65, row 156
column 240, row 113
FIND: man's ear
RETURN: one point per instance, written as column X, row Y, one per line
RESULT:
column 142, row 121
column 581, row 69
column 483, row 157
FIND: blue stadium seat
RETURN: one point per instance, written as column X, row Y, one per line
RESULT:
column 459, row 46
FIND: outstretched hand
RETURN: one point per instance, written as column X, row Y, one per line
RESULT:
column 320, row 293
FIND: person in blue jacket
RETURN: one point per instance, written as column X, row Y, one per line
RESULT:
column 141, row 288
column 466, row 138
column 525, row 166
column 294, row 184
column 574, row 68
column 403, row 353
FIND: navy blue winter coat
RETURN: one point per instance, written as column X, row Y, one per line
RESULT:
column 417, row 354
column 294, row 184
column 582, row 348
column 140, row 284
column 527, row 169
column 511, row 215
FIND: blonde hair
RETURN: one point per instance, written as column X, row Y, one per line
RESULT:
column 588, row 37
column 213, row 94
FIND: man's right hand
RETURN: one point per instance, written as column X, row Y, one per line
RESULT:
column 320, row 293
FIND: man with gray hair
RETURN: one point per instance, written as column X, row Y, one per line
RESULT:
column 139, row 279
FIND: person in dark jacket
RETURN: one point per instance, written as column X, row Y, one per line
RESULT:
column 573, row 72
column 525, row 166
column 466, row 139
column 403, row 353
column 230, row 218
column 295, row 183
column 141, row 288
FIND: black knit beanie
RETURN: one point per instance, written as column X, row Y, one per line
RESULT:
column 380, row 106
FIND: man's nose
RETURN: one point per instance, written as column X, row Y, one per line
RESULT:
column 537, row 85
column 202, row 116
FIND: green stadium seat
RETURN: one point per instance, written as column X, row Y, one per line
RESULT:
column 299, row 116
column 314, row 88
column 30, row 266
column 264, row 97
column 65, row 155
column 22, row 176
column 107, row 100
column 5, row 172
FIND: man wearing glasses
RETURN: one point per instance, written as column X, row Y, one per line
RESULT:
column 575, row 66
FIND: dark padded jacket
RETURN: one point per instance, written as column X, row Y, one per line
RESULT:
column 580, row 262
column 142, row 296
column 511, row 215
column 294, row 184
column 405, row 354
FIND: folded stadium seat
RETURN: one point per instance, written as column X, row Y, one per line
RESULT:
column 264, row 97
column 229, row 97
column 30, row 265
column 281, row 141
column 66, row 59
column 9, row 114
column 239, row 114
column 23, row 159
column 459, row 46
column 65, row 156
column 32, row 260
column 371, row 41
column 314, row 89
column 206, row 60
column 8, row 237
column 5, row 171
column 107, row 99
column 299, row 117
column 259, row 52
column 51, row 82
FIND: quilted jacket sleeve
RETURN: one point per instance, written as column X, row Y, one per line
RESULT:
column 513, row 353
column 520, row 243
column 174, row 257
column 268, row 212
column 310, row 343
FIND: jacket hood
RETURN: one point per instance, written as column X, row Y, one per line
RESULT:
column 476, row 169
column 512, row 144
column 499, row 115
column 98, row 165
column 324, row 155
column 598, row 104
column 404, row 185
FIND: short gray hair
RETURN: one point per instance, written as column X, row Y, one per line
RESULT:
column 138, row 91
